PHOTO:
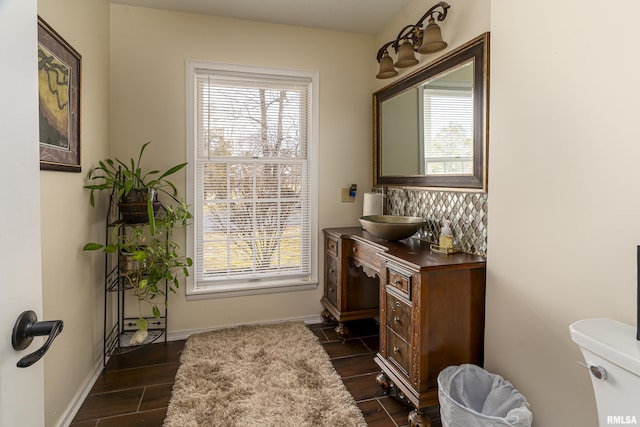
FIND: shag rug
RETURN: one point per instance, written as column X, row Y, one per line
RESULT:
column 271, row 375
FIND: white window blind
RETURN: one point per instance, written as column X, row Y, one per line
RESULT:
column 448, row 130
column 253, row 219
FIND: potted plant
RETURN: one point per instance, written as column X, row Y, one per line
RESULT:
column 136, row 190
column 146, row 260
column 148, row 255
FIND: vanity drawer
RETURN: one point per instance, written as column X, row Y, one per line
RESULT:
column 398, row 316
column 331, row 279
column 399, row 279
column 366, row 254
column 398, row 351
column 331, row 246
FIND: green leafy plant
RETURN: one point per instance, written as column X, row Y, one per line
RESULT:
column 149, row 244
column 123, row 178
column 158, row 255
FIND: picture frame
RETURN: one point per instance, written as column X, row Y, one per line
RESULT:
column 59, row 101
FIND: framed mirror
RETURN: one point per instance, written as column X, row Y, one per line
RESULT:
column 431, row 127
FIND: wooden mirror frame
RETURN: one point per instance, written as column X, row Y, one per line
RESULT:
column 478, row 50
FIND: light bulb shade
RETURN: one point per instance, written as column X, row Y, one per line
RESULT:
column 386, row 68
column 406, row 56
column 432, row 39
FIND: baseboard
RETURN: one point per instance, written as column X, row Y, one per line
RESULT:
column 82, row 394
column 77, row 401
column 183, row 335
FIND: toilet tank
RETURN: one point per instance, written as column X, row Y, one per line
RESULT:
column 611, row 348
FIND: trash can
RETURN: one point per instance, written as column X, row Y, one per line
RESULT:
column 471, row 396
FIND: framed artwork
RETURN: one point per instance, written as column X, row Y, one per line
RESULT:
column 59, row 101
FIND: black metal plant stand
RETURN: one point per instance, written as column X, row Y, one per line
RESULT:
column 118, row 327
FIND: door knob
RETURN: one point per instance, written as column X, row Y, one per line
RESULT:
column 27, row 327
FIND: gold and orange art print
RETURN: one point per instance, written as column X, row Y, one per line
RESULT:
column 59, row 101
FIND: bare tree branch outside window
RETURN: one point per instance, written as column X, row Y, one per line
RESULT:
column 253, row 180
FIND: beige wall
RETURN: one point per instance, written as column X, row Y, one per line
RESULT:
column 149, row 49
column 563, row 217
column 71, row 283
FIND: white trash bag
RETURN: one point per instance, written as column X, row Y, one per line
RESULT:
column 470, row 396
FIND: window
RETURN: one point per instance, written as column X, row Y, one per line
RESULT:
column 251, row 153
column 446, row 108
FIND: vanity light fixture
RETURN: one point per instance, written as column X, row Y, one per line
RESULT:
column 411, row 39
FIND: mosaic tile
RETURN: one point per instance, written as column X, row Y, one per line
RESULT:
column 466, row 211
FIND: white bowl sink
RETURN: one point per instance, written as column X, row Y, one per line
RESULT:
column 391, row 227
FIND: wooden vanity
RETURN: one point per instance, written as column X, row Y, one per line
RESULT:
column 430, row 306
column 351, row 276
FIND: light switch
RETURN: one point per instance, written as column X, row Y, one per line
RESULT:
column 345, row 196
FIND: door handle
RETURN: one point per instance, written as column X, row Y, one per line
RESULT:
column 27, row 327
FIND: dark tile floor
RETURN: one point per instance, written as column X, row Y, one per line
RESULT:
column 135, row 388
column 353, row 360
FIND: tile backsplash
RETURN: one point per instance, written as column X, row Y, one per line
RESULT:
column 466, row 211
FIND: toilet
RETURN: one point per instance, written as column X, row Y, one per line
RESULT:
column 612, row 356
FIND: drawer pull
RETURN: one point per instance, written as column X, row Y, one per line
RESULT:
column 397, row 282
column 396, row 320
column 394, row 306
column 396, row 350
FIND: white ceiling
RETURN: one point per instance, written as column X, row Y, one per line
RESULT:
column 358, row 16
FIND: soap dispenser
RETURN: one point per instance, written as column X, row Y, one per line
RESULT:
column 446, row 236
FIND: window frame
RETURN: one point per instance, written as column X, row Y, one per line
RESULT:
column 194, row 290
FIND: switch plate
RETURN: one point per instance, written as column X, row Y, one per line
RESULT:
column 345, row 197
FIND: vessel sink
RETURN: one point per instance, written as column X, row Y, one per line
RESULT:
column 391, row 227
